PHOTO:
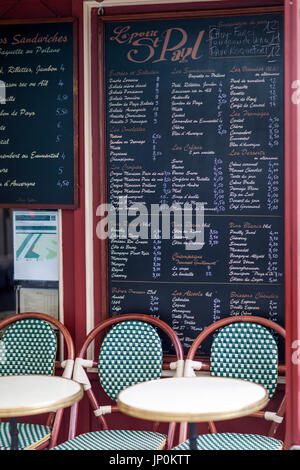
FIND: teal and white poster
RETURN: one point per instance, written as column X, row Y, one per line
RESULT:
column 36, row 245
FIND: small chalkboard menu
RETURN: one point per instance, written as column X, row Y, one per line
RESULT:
column 38, row 114
column 194, row 113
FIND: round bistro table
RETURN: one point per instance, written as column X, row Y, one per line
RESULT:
column 26, row 395
column 192, row 399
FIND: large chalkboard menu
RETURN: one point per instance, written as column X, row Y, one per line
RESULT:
column 38, row 117
column 194, row 113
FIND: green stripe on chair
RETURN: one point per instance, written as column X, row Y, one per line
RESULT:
column 233, row 441
column 115, row 440
column 29, row 435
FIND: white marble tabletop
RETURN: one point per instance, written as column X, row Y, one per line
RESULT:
column 192, row 399
column 25, row 395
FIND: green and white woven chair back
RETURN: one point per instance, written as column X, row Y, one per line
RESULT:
column 28, row 347
column 246, row 351
column 130, row 353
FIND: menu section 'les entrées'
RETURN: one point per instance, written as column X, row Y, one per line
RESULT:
column 195, row 115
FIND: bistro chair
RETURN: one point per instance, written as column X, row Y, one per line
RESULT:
column 244, row 348
column 130, row 353
column 28, row 347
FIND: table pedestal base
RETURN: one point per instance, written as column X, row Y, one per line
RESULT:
column 193, row 435
column 14, row 433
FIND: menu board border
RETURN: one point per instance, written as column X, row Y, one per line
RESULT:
column 192, row 14
column 75, row 203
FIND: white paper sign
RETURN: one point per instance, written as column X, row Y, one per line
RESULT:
column 39, row 300
column 36, row 245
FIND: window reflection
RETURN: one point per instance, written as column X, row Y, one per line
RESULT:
column 7, row 294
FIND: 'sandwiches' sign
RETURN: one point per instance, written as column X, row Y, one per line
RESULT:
column 38, row 114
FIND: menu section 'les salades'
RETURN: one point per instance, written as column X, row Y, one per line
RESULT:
column 195, row 114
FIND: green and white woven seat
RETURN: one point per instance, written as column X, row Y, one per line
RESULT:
column 30, row 435
column 28, row 347
column 248, row 351
column 233, row 441
column 130, row 353
column 115, row 440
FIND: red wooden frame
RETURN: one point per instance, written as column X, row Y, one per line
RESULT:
column 99, row 331
column 204, row 13
column 54, row 419
column 148, row 6
column 292, row 69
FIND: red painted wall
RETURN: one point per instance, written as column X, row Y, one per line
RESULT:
column 73, row 221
